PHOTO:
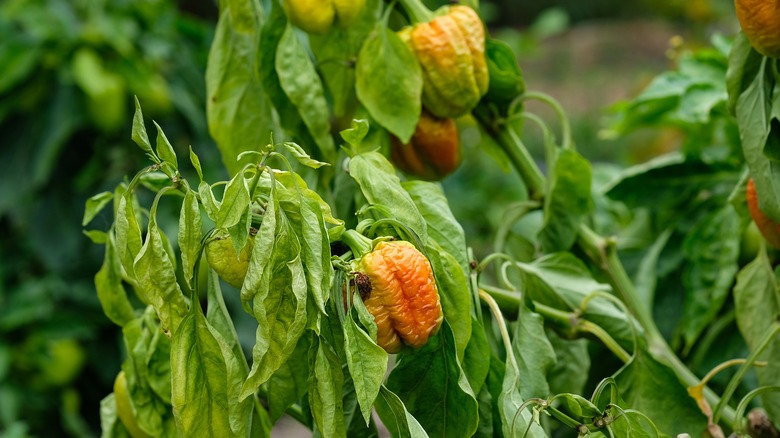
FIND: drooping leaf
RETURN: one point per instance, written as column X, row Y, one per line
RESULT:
column 289, row 383
column 395, row 417
column 110, row 291
column 534, row 354
column 275, row 289
column 380, row 185
column 240, row 116
column 302, row 85
column 389, row 82
column 128, row 234
column 190, row 235
column 234, row 203
column 301, row 156
column 200, row 379
column 325, row 389
column 94, row 205
column 434, row 388
column 568, row 201
column 712, row 252
column 367, row 363
column 757, row 303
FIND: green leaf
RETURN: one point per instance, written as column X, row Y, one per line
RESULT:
column 94, row 205
column 389, row 82
column 235, row 202
column 210, row 203
column 128, row 234
column 355, row 135
column 110, row 291
column 289, row 383
column 534, row 354
column 276, row 287
column 381, row 187
column 156, row 277
column 200, row 379
column 474, row 364
column 336, row 53
column 513, row 422
column 646, row 278
column 568, row 202
column 240, row 116
column 757, row 304
column 196, row 163
column 434, row 388
column 562, row 281
column 754, row 114
column 454, row 292
column 326, row 380
column 96, row 236
column 399, row 422
column 165, row 149
column 110, row 425
column 579, row 407
column 572, row 364
column 442, row 225
column 300, row 82
column 653, row 389
column 190, row 235
column 139, row 135
column 301, row 156
column 712, row 253
column 367, row 363
column 743, row 64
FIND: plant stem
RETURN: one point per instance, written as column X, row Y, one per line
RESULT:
column 603, row 253
column 417, row 11
column 602, row 335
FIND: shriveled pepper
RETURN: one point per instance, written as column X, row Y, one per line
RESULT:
column 760, row 20
column 396, row 283
column 221, row 255
column 432, row 153
column 768, row 228
column 317, row 16
column 451, row 51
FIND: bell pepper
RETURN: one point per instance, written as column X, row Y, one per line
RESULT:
column 317, row 16
column 451, row 51
column 397, row 285
column 433, row 151
column 760, row 20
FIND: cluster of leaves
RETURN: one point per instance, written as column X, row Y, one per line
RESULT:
column 68, row 70
column 314, row 354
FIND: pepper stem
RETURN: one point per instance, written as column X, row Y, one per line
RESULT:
column 358, row 243
column 418, row 12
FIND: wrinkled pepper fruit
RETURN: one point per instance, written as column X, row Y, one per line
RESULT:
column 318, row 16
column 760, row 20
column 451, row 51
column 401, row 295
column 222, row 257
column 768, row 228
column 433, row 151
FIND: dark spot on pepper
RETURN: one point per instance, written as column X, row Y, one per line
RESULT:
column 363, row 285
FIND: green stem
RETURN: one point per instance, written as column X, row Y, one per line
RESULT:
column 743, row 404
column 417, row 11
column 566, row 141
column 603, row 254
column 358, row 243
column 734, row 382
column 602, row 335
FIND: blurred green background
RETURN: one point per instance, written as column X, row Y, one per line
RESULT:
column 69, row 69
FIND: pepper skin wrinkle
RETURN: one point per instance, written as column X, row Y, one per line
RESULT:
column 760, row 20
column 404, row 299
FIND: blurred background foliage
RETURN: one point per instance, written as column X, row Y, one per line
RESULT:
column 69, row 69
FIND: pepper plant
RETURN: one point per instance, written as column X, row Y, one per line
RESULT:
column 371, row 309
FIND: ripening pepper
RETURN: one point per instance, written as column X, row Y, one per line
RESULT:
column 222, row 257
column 432, row 153
column 760, row 20
column 396, row 283
column 451, row 51
column 317, row 16
column 768, row 228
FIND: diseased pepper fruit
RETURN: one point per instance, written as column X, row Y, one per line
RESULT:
column 317, row 16
column 222, row 257
column 760, row 20
column 433, row 151
column 396, row 283
column 768, row 228
column 124, row 407
column 451, row 51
